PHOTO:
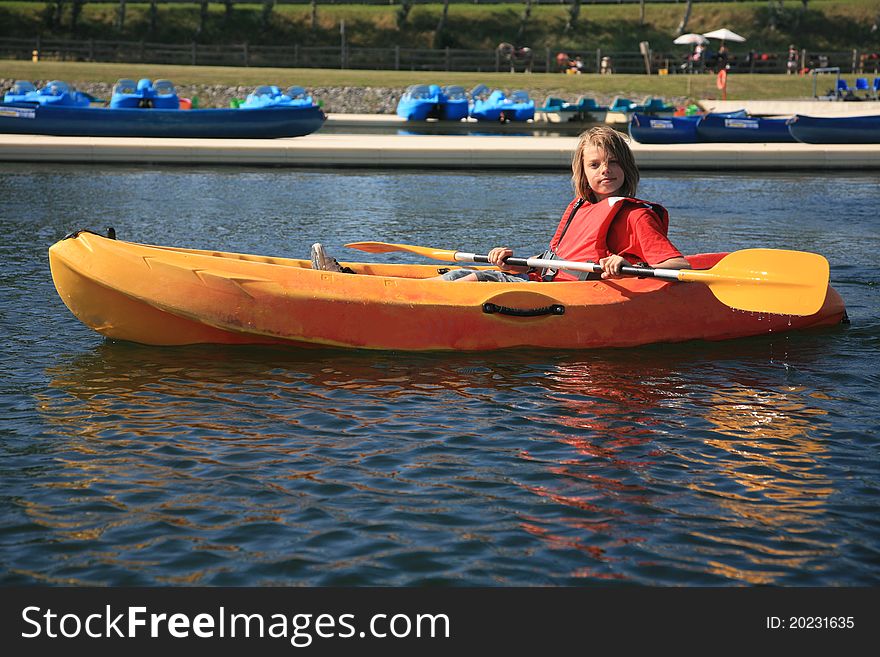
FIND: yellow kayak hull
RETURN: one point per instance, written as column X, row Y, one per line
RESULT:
column 170, row 296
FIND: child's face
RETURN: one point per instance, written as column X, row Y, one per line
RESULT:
column 604, row 175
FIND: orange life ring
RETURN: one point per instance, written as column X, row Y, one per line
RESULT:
column 721, row 80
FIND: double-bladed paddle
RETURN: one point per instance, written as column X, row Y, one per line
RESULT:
column 757, row 280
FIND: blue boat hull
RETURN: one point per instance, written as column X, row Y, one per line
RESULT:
column 654, row 130
column 742, row 130
column 836, row 130
column 27, row 118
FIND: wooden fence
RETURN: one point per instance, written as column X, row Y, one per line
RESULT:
column 393, row 57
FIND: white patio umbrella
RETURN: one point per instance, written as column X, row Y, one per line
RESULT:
column 690, row 39
column 724, row 34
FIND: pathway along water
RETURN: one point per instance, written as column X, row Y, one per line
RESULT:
column 737, row 463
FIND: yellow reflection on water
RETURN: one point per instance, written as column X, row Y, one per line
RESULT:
column 759, row 474
column 766, row 449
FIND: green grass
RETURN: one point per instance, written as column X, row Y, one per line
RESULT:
column 826, row 24
column 740, row 87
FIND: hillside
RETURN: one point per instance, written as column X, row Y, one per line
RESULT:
column 830, row 25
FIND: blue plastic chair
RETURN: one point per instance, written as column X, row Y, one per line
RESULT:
column 862, row 85
column 876, row 87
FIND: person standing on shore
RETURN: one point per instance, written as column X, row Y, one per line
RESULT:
column 792, row 65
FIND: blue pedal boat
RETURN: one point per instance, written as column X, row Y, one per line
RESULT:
column 558, row 110
column 421, row 102
column 145, row 94
column 454, row 105
column 152, row 110
column 498, row 106
column 649, row 105
column 56, row 93
column 270, row 95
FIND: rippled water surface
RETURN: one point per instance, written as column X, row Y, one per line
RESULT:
column 745, row 462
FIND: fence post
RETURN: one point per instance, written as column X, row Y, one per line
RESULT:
column 598, row 59
column 91, row 50
column 342, row 43
column 296, row 55
column 448, row 59
column 193, row 53
column 855, row 60
column 247, row 54
column 396, row 58
column 547, row 63
column 497, row 60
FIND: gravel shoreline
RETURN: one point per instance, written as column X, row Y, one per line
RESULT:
column 338, row 100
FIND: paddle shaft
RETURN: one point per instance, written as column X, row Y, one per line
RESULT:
column 542, row 263
column 754, row 280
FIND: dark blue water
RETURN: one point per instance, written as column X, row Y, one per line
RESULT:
column 746, row 462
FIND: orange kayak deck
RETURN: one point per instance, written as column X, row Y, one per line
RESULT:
column 159, row 295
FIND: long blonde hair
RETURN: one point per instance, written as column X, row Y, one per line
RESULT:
column 615, row 146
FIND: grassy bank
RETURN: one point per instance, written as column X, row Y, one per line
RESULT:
column 740, row 87
column 833, row 25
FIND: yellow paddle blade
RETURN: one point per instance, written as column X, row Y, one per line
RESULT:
column 767, row 280
column 384, row 247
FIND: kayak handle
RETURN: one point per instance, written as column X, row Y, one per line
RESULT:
column 554, row 309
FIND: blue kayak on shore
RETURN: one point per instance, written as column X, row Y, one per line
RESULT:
column 727, row 127
column 835, row 130
column 722, row 128
column 667, row 130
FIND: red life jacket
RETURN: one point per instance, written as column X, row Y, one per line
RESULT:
column 583, row 230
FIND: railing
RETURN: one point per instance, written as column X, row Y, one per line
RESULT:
column 391, row 2
column 397, row 58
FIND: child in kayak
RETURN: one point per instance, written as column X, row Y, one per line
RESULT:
column 605, row 224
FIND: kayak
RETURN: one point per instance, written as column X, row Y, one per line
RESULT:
column 729, row 127
column 835, row 129
column 666, row 130
column 719, row 128
column 160, row 295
